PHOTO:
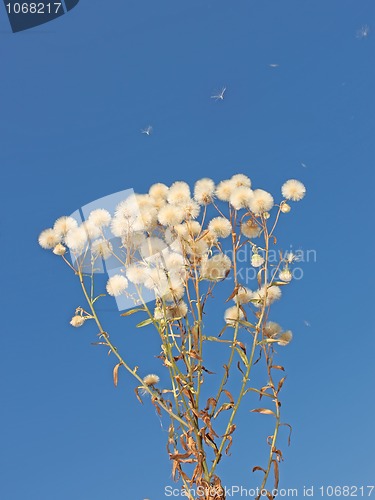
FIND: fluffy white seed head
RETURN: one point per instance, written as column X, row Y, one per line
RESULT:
column 193, row 228
column 285, row 338
column 220, row 227
column 100, row 217
column 250, row 229
column 178, row 193
column 76, row 239
column 285, row 275
column 158, row 190
column 151, row 379
column 171, row 290
column 284, row 207
column 257, row 260
column 204, row 190
column 273, row 293
column 174, row 262
column 77, row 321
column 179, row 310
column 190, row 209
column 243, row 296
column 152, row 246
column 261, row 201
column 241, row 197
column 102, row 248
column 271, row 329
column 225, row 189
column 293, row 190
column 198, row 247
column 136, row 274
column 116, row 285
column 170, row 215
column 241, row 180
column 59, row 249
column 232, row 315
column 48, row 239
column 216, row 268
column 64, row 224
column 91, row 229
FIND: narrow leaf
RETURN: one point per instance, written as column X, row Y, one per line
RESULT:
column 264, row 411
column 242, row 356
column 290, row 432
column 132, row 311
column 278, row 367
column 246, row 323
column 258, row 468
column 115, row 373
column 281, row 383
column 145, row 323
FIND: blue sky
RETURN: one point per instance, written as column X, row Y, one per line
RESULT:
column 74, row 94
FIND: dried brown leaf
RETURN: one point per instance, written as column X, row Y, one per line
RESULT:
column 264, row 411
column 138, row 396
column 276, row 473
column 115, row 373
column 278, row 367
column 290, row 432
column 229, row 395
column 281, row 383
column 259, row 468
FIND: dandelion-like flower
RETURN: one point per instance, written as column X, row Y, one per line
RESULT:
column 190, row 209
column 220, row 227
column 293, row 190
column 193, row 228
column 171, row 290
column 273, row 293
column 285, row 338
column 225, row 189
column 151, row 380
column 136, row 274
column 241, row 197
column 216, row 268
column 152, row 247
column 158, row 191
column 48, row 239
column 174, row 262
column 260, row 202
column 232, row 315
column 102, row 248
column 91, row 229
column 285, row 208
column 170, row 215
column 59, row 249
column 198, row 247
column 250, row 229
column 77, row 321
column 76, row 239
column 271, row 329
column 243, row 296
column 285, row 275
column 178, row 193
column 241, row 180
column 257, row 260
column 116, row 285
column 179, row 310
column 204, row 191
column 100, row 217
column 64, row 224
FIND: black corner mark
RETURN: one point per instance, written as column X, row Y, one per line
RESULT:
column 69, row 4
column 26, row 14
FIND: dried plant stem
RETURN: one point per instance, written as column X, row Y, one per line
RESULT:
column 119, row 357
